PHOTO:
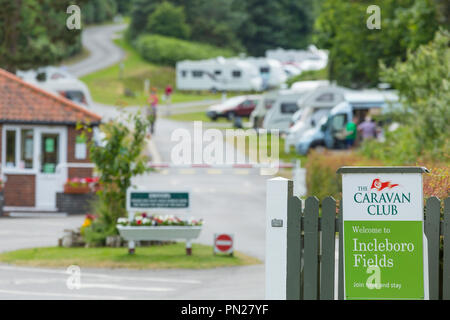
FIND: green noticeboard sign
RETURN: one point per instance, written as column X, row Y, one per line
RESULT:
column 157, row 200
column 384, row 242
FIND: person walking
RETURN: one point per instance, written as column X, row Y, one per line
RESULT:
column 351, row 131
column 168, row 98
column 368, row 129
column 152, row 111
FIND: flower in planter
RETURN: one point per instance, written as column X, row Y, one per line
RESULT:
column 143, row 219
column 123, row 222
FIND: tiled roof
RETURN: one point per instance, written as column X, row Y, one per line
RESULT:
column 25, row 103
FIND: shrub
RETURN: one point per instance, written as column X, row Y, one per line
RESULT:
column 322, row 180
column 167, row 51
column 168, row 20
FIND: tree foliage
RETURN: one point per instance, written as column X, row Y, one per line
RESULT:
column 33, row 33
column 117, row 161
column 168, row 20
column 271, row 24
column 423, row 85
column 355, row 50
column 246, row 25
column 98, row 11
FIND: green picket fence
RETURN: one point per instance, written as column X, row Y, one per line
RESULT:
column 311, row 246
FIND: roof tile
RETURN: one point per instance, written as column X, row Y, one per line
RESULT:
column 24, row 102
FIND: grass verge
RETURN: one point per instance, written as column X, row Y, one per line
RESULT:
column 171, row 256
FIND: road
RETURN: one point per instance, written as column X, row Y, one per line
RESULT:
column 103, row 51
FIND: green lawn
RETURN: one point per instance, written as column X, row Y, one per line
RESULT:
column 108, row 87
column 155, row 257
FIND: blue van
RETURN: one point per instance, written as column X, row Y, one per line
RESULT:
column 329, row 130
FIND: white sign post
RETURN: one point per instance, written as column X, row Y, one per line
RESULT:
column 385, row 248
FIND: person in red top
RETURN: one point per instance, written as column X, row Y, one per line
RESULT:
column 168, row 92
column 152, row 111
column 168, row 98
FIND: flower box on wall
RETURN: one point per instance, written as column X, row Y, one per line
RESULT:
column 76, row 189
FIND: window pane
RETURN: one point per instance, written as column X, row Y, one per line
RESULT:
column 10, row 148
column 50, row 152
column 288, row 107
column 27, row 148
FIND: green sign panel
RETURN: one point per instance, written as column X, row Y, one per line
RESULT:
column 383, row 236
column 383, row 260
column 158, row 200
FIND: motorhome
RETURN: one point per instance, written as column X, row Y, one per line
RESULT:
column 264, row 104
column 270, row 98
column 315, row 105
column 218, row 74
column 287, row 104
column 329, row 130
column 357, row 104
column 271, row 71
column 58, row 81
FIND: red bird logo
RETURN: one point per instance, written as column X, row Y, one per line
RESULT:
column 378, row 185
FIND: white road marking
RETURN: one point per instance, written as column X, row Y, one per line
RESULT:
column 125, row 288
column 214, row 171
column 60, row 295
column 100, row 275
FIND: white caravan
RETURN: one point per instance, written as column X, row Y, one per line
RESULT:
column 271, row 71
column 285, row 106
column 310, row 59
column 218, row 74
column 315, row 105
column 60, row 82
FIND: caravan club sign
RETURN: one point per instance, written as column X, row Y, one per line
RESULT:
column 383, row 233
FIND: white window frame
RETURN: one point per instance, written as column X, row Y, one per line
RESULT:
column 16, row 169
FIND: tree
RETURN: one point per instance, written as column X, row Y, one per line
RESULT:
column 97, row 11
column 423, row 85
column 355, row 50
column 117, row 161
column 271, row 24
column 213, row 21
column 168, row 20
column 33, row 33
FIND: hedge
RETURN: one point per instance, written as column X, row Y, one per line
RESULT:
column 167, row 51
column 322, row 180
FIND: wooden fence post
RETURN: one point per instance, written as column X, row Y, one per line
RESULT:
column 311, row 251
column 328, row 231
column 432, row 224
column 279, row 191
column 446, row 268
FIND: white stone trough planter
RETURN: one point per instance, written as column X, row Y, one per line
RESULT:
column 159, row 233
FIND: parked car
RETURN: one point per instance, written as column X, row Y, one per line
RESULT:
column 241, row 106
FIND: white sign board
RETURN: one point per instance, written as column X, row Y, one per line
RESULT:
column 383, row 233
